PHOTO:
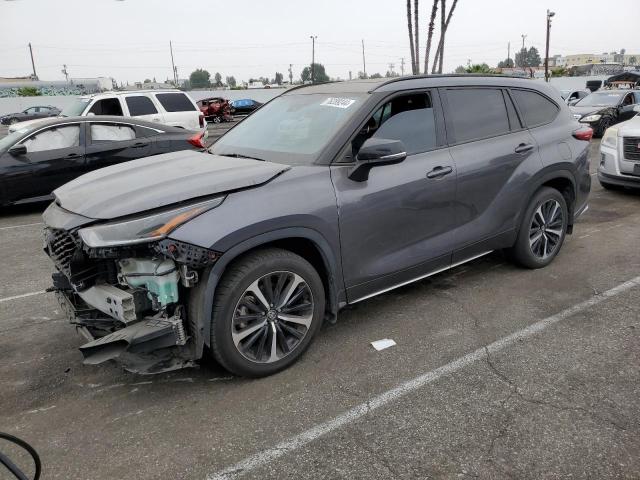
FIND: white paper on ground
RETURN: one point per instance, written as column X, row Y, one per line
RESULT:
column 382, row 344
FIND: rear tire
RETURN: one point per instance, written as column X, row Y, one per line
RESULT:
column 267, row 308
column 542, row 231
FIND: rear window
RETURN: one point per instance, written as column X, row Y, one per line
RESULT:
column 535, row 109
column 140, row 105
column 476, row 113
column 175, row 102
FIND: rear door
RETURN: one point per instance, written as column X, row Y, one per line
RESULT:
column 109, row 143
column 179, row 110
column 494, row 155
column 55, row 156
column 143, row 107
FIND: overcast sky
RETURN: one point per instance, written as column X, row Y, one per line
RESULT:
column 129, row 39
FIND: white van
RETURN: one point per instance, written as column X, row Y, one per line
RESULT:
column 170, row 107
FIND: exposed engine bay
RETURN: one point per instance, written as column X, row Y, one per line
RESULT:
column 130, row 302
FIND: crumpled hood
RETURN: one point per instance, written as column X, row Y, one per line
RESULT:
column 160, row 180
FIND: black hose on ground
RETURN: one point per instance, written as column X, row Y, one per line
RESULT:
column 4, row 460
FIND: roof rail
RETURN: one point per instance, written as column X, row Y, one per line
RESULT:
column 448, row 75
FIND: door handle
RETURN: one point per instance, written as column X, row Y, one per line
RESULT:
column 439, row 172
column 73, row 155
column 524, row 148
column 139, row 144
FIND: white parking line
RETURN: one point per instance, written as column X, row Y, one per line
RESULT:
column 268, row 455
column 23, row 295
column 20, row 226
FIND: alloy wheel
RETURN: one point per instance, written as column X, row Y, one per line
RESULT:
column 546, row 229
column 272, row 317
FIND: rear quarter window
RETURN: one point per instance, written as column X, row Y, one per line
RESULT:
column 140, row 105
column 535, row 108
column 175, row 102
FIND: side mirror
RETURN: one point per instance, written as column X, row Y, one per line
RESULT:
column 573, row 101
column 18, row 150
column 376, row 152
column 636, row 108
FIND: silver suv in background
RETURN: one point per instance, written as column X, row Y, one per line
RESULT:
column 326, row 196
column 620, row 155
column 169, row 107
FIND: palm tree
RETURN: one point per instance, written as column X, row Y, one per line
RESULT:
column 444, row 25
column 411, row 45
column 432, row 24
column 479, row 68
column 417, row 43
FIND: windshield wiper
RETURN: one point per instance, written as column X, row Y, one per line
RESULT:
column 237, row 155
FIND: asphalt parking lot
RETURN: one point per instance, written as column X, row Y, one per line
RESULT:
column 498, row 372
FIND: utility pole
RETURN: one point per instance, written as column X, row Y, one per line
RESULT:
column 313, row 57
column 508, row 53
column 173, row 66
column 290, row 74
column 35, row 76
column 350, row 75
column 550, row 14
column 364, row 62
column 402, row 66
column 523, row 52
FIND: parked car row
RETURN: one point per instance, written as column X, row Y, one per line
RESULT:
column 40, row 157
column 169, row 107
column 328, row 195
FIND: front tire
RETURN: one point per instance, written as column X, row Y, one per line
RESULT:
column 13, row 121
column 267, row 308
column 543, row 229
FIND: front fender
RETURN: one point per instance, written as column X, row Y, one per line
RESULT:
column 201, row 298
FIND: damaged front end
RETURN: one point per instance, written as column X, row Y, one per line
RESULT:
column 125, row 286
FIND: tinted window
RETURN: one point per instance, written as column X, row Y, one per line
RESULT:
column 175, row 102
column 108, row 106
column 54, row 139
column 535, row 109
column 409, row 119
column 476, row 113
column 111, row 132
column 140, row 105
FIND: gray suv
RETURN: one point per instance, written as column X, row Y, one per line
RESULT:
column 326, row 196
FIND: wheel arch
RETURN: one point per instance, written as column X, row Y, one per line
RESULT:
column 561, row 180
column 307, row 243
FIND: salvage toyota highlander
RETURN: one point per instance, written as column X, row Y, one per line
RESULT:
column 326, row 196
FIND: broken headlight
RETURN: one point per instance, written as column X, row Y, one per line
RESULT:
column 143, row 229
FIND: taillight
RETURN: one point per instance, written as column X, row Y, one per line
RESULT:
column 197, row 140
column 201, row 119
column 583, row 133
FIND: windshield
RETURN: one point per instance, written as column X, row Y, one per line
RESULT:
column 291, row 129
column 600, row 99
column 76, row 108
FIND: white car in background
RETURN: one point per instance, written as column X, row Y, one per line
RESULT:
column 169, row 107
column 620, row 155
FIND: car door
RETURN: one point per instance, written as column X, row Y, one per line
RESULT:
column 490, row 148
column 30, row 113
column 143, row 107
column 179, row 110
column 625, row 110
column 55, row 156
column 396, row 226
column 109, row 143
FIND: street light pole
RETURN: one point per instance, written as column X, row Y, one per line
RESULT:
column 546, row 60
column 313, row 57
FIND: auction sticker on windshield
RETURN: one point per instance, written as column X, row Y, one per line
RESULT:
column 338, row 102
